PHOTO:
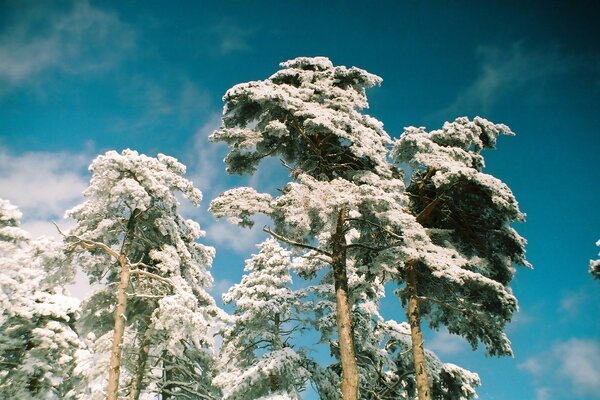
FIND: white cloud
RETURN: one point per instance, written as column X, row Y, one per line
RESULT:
column 220, row 287
column 532, row 365
column 579, row 362
column 570, row 368
column 81, row 39
column 42, row 184
column 571, row 303
column 444, row 343
column 207, row 169
column 502, row 72
column 542, row 393
column 240, row 240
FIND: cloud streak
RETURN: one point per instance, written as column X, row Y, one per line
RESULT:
column 82, row 39
column 43, row 185
column 505, row 71
column 570, row 368
column 444, row 343
column 231, row 37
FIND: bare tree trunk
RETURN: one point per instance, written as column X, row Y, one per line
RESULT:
column 416, row 335
column 119, row 331
column 349, row 385
column 114, row 370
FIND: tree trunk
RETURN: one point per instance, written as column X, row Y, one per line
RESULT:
column 114, row 370
column 136, row 381
column 276, row 345
column 349, row 384
column 416, row 335
column 166, row 390
column 119, row 331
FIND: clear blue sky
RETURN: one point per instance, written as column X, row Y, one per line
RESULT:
column 77, row 79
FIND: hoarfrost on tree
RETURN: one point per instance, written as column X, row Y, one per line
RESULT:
column 131, row 207
column 464, row 262
column 257, row 359
column 38, row 341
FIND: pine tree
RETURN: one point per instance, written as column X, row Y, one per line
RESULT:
column 38, row 341
column 308, row 113
column 458, row 262
column 257, row 356
column 153, row 305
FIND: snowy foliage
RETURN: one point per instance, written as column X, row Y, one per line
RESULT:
column 466, row 259
column 595, row 265
column 37, row 337
column 383, row 348
column 132, row 208
column 308, row 113
column 452, row 221
column 257, row 359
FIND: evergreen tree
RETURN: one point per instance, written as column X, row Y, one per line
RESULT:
column 446, row 238
column 308, row 113
column 457, row 274
column 153, row 305
column 38, row 341
column 258, row 360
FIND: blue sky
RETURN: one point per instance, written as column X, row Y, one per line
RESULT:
column 80, row 78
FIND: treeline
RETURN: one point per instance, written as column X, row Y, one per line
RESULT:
column 360, row 210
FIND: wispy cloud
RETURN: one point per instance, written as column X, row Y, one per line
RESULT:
column 570, row 368
column 207, row 169
column 231, row 37
column 42, row 184
column 506, row 71
column 80, row 39
column 155, row 105
column 444, row 343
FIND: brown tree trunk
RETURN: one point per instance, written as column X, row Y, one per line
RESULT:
column 416, row 335
column 114, row 370
column 349, row 384
column 119, row 331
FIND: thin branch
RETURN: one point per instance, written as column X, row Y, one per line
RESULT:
column 294, row 243
column 364, row 246
column 391, row 233
column 90, row 244
column 151, row 275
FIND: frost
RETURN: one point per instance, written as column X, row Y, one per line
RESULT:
column 131, row 206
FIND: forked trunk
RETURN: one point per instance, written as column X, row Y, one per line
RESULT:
column 114, row 370
column 349, row 385
column 416, row 335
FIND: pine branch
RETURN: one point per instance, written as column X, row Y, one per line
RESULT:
column 294, row 243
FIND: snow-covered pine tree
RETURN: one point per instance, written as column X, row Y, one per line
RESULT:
column 37, row 337
column 308, row 113
column 461, row 262
column 258, row 360
column 595, row 265
column 153, row 304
